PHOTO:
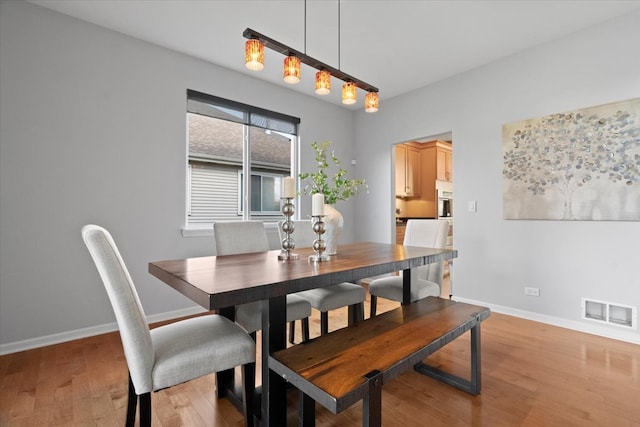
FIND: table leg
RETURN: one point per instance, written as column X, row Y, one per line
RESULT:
column 274, row 387
column 406, row 286
column 225, row 379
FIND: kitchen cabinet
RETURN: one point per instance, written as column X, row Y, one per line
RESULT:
column 408, row 168
column 437, row 166
column 437, row 160
column 444, row 170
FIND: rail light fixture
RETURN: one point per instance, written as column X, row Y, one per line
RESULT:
column 254, row 60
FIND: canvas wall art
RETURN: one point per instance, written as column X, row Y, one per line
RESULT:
column 577, row 165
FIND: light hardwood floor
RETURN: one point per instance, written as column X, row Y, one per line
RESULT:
column 532, row 375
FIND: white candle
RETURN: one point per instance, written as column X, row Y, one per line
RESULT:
column 288, row 187
column 317, row 204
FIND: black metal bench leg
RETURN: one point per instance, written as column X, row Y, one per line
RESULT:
column 306, row 411
column 475, row 384
column 470, row 386
column 372, row 403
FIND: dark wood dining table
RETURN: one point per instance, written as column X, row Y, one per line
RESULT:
column 222, row 282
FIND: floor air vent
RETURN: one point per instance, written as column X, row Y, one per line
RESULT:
column 608, row 312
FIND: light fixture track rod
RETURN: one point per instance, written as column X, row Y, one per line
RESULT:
column 306, row 59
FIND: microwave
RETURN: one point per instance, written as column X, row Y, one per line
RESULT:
column 445, row 204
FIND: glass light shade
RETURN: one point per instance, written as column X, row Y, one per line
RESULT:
column 292, row 69
column 254, row 55
column 371, row 102
column 323, row 82
column 349, row 93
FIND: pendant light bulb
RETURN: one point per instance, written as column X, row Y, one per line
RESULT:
column 291, row 72
column 349, row 93
column 371, row 102
column 254, row 54
column 323, row 82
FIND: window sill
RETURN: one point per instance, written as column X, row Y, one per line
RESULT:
column 207, row 230
column 193, row 231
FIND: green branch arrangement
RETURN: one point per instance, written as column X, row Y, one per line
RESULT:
column 339, row 187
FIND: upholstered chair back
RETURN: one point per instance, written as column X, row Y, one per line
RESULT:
column 432, row 234
column 134, row 330
column 240, row 237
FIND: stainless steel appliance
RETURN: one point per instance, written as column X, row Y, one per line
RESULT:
column 445, row 204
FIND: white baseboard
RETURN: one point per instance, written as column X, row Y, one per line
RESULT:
column 32, row 343
column 607, row 332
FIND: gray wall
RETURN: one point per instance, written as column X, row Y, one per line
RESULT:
column 93, row 131
column 498, row 258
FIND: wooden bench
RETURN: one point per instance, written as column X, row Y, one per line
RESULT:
column 345, row 366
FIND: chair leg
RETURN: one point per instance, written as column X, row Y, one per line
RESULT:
column 248, row 392
column 324, row 323
column 145, row 409
column 374, row 304
column 132, row 403
column 305, row 329
column 292, row 331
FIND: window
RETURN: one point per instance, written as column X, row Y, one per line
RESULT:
column 265, row 193
column 228, row 141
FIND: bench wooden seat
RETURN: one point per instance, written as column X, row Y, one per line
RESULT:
column 345, row 366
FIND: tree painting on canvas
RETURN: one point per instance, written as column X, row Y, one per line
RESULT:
column 578, row 165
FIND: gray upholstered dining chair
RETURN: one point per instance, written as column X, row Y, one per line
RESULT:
column 426, row 280
column 331, row 297
column 171, row 354
column 237, row 237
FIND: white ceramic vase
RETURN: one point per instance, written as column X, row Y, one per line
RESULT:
column 333, row 226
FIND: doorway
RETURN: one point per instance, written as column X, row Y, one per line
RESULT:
column 423, row 182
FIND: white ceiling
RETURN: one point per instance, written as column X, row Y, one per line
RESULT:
column 394, row 45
